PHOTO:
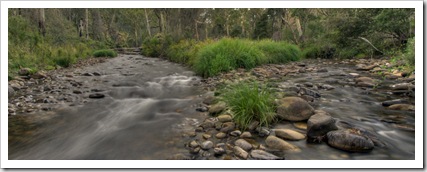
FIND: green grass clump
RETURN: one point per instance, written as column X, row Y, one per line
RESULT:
column 225, row 55
column 279, row 52
column 185, row 51
column 105, row 53
column 250, row 102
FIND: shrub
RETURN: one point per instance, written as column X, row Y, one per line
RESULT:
column 105, row 53
column 156, row 46
column 225, row 55
column 279, row 52
column 319, row 51
column 250, row 102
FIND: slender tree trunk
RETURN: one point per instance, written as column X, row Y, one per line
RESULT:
column 42, row 26
column 162, row 22
column 148, row 22
column 87, row 23
column 197, row 32
column 227, row 27
column 206, row 31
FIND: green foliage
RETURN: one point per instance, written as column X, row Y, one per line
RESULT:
column 279, row 52
column 29, row 49
column 409, row 54
column 156, row 46
column 250, row 102
column 105, row 53
column 227, row 54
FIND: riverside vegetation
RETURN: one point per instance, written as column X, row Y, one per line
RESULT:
column 250, row 64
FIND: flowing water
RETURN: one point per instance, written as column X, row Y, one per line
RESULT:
column 149, row 104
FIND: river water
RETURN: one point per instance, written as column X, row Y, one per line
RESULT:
column 150, row 103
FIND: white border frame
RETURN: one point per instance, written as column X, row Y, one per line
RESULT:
column 417, row 163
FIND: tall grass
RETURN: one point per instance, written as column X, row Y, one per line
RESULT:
column 225, row 55
column 279, row 52
column 105, row 53
column 250, row 102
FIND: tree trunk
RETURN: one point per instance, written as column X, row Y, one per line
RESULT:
column 87, row 23
column 197, row 32
column 148, row 22
column 42, row 27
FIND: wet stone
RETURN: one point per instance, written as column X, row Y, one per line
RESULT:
column 236, row 133
column 243, row 144
column 220, row 135
column 263, row 155
column 224, row 118
column 227, row 127
column 207, row 145
column 288, row 134
column 246, row 134
column 96, row 96
column 239, row 152
column 349, row 140
column 219, row 151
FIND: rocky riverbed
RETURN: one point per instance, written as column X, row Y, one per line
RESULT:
column 132, row 107
column 349, row 109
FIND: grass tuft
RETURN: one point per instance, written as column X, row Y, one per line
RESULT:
column 105, row 53
column 250, row 102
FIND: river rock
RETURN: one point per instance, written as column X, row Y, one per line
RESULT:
column 193, row 144
column 224, row 118
column 39, row 75
column 243, row 144
column 288, row 134
column 322, row 70
column 349, row 140
column 206, row 145
column 253, row 126
column 10, row 91
column 294, row 109
column 209, row 100
column 246, row 134
column 312, row 93
column 228, row 127
column 263, row 131
column 220, row 135
column 263, row 155
column 402, row 86
column 365, row 67
column 96, row 96
column 217, row 108
column 318, row 125
column 365, row 82
column 277, row 143
column 407, row 107
column 300, row 125
column 236, row 133
column 396, row 101
column 238, row 151
column 24, row 71
column 208, row 123
column 219, row 151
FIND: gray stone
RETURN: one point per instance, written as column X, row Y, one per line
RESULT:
column 96, row 96
column 263, row 155
column 217, row 108
column 263, row 131
column 24, row 71
column 253, row 126
column 236, row 133
column 206, row 145
column 228, row 127
column 238, row 151
column 277, row 143
column 402, row 86
column 220, row 135
column 294, row 109
column 289, row 134
column 243, row 144
column 194, row 144
column 224, row 118
column 318, row 125
column 349, row 140
column 246, row 134
column 219, row 151
column 10, row 91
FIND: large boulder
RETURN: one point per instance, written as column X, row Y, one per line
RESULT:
column 277, row 143
column 294, row 109
column 350, row 140
column 318, row 125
